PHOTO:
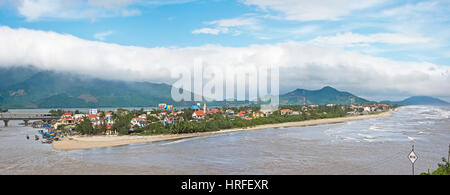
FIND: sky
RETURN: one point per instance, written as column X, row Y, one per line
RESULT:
column 377, row 49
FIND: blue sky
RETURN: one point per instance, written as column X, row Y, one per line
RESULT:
column 154, row 26
column 397, row 31
column 159, row 24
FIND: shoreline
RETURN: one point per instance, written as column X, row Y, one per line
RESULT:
column 80, row 142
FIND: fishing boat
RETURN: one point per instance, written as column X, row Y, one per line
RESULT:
column 47, row 141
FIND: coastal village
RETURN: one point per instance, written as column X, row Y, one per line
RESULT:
column 165, row 115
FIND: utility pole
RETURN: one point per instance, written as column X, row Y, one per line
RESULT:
column 448, row 156
column 413, row 161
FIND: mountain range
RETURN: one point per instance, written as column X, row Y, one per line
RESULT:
column 419, row 100
column 28, row 87
column 32, row 88
column 326, row 95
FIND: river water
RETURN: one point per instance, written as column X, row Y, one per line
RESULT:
column 370, row 146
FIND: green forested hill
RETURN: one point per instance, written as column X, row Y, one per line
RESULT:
column 326, row 95
column 28, row 87
column 420, row 100
column 47, row 89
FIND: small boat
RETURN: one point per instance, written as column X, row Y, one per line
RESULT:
column 48, row 141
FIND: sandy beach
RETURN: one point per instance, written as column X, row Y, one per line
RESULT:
column 82, row 142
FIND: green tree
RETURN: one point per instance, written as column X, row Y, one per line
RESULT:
column 122, row 124
column 103, row 128
column 443, row 168
column 85, row 127
column 57, row 113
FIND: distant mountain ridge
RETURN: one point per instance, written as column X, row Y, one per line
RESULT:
column 419, row 100
column 47, row 89
column 28, row 87
column 326, row 95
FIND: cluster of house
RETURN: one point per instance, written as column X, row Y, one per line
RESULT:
column 165, row 117
column 248, row 114
column 368, row 108
column 356, row 109
column 199, row 113
column 168, row 115
column 70, row 120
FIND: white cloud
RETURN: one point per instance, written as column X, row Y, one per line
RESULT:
column 307, row 10
column 212, row 31
column 128, row 13
column 111, row 4
column 234, row 22
column 102, row 35
column 232, row 25
column 350, row 39
column 301, row 65
column 34, row 10
column 411, row 9
column 164, row 2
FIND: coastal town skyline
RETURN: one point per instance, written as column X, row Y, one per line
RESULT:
column 391, row 58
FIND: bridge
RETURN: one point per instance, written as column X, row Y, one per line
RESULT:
column 26, row 117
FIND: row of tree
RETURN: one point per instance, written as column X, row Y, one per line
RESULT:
column 213, row 122
column 218, row 121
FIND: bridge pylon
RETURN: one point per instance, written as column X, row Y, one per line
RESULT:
column 6, row 122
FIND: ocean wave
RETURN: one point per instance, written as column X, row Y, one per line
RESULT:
column 348, row 138
column 370, row 140
column 179, row 141
column 364, row 130
column 436, row 113
column 367, row 136
column 376, row 128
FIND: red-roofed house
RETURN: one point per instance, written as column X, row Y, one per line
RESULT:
column 213, row 111
column 286, row 111
column 172, row 120
column 92, row 116
column 242, row 114
column 369, row 108
column 68, row 114
column 95, row 119
column 66, row 119
column 141, row 122
column 199, row 114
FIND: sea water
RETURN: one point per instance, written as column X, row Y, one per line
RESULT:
column 369, row 146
